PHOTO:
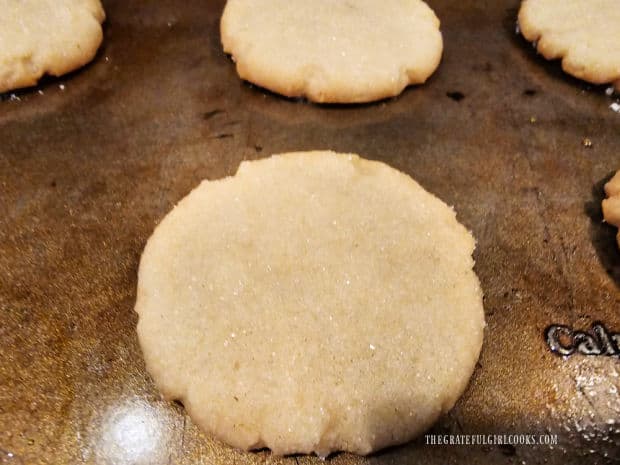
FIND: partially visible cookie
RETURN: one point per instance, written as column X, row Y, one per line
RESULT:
column 40, row 37
column 338, row 51
column 583, row 33
column 611, row 205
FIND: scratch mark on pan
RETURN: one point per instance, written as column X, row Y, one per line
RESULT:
column 222, row 136
column 210, row 114
column 588, row 400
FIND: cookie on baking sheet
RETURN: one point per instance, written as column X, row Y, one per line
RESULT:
column 583, row 33
column 40, row 37
column 313, row 302
column 337, row 51
column 611, row 205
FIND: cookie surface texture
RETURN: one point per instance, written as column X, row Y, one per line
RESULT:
column 611, row 205
column 313, row 302
column 584, row 34
column 52, row 37
column 332, row 51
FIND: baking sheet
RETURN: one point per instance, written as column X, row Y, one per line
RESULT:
column 93, row 161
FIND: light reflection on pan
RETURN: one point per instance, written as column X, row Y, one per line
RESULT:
column 132, row 432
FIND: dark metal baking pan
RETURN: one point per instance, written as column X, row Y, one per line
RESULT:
column 93, row 161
